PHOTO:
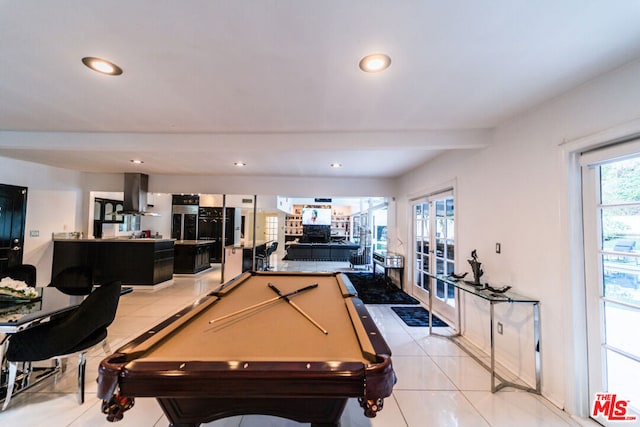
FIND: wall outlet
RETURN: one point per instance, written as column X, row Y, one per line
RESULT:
column 34, row 233
column 499, row 328
column 498, row 248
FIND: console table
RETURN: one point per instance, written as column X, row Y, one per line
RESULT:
column 493, row 298
column 389, row 261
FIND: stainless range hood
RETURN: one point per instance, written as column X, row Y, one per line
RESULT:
column 135, row 195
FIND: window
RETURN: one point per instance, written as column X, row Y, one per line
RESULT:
column 611, row 209
column 271, row 228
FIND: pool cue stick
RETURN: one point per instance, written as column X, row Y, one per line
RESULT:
column 263, row 303
column 294, row 305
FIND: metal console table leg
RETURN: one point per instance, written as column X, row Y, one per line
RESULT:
column 497, row 381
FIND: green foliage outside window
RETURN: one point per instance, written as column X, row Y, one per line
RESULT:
column 620, row 186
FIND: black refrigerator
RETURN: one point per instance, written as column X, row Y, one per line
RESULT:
column 184, row 222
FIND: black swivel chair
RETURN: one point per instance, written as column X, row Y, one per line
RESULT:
column 267, row 255
column 272, row 249
column 23, row 272
column 76, row 280
column 75, row 332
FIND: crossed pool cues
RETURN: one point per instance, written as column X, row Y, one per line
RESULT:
column 280, row 296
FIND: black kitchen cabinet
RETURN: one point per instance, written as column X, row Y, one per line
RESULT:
column 133, row 262
column 192, row 256
column 210, row 226
column 105, row 210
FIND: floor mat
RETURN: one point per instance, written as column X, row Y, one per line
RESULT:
column 376, row 290
column 417, row 316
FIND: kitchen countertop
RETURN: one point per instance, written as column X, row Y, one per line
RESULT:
column 195, row 242
column 117, row 239
column 250, row 244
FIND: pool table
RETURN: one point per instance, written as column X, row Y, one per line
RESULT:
column 215, row 359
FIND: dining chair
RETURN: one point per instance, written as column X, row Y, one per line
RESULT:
column 23, row 272
column 76, row 332
column 75, row 280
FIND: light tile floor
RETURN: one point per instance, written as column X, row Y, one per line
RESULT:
column 438, row 384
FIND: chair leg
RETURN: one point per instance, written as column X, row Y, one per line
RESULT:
column 61, row 362
column 27, row 370
column 82, row 365
column 13, row 370
column 106, row 347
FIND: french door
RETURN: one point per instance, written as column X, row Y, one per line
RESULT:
column 434, row 250
column 611, row 217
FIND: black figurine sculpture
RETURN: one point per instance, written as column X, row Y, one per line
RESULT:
column 475, row 268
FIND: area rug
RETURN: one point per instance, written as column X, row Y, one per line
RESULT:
column 417, row 316
column 377, row 290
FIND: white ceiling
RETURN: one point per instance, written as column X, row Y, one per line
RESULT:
column 276, row 84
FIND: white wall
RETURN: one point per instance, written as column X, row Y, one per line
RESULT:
column 515, row 192
column 53, row 205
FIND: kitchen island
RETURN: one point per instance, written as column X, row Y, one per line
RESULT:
column 192, row 256
column 132, row 261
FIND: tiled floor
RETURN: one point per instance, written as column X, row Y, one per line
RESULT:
column 438, row 384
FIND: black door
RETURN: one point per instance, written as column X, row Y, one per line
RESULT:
column 13, row 210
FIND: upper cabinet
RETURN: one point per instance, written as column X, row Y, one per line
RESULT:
column 105, row 210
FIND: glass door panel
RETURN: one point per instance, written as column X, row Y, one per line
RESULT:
column 421, row 231
column 611, row 199
column 434, row 234
column 445, row 247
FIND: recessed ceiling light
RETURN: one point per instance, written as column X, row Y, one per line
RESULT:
column 375, row 63
column 336, row 165
column 240, row 164
column 137, row 162
column 102, row 66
